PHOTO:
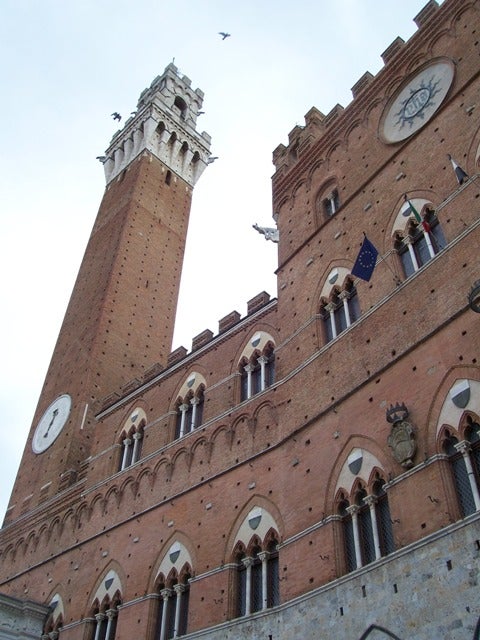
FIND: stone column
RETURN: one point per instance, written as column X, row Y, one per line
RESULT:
column 99, row 617
column 331, row 200
column 331, row 310
column 428, row 240
column 353, row 511
column 165, row 593
column 126, row 448
column 136, row 443
column 344, row 298
column 194, row 402
column 371, row 501
column 111, row 615
column 248, row 562
column 183, row 408
column 249, row 370
column 263, row 360
column 264, row 556
column 408, row 242
column 179, row 589
column 464, row 448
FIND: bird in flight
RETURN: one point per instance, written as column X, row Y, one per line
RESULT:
column 224, row 34
column 116, row 116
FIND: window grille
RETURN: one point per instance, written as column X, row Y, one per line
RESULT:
column 273, row 581
column 365, row 530
column 348, row 538
column 103, row 629
column 199, row 414
column 256, row 585
column 241, row 589
column 384, row 522
column 256, row 378
column 473, row 436
column 183, row 618
column 244, row 385
column 460, row 476
column 170, row 626
column 270, row 370
column 178, row 424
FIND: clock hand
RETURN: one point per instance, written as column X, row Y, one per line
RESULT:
column 55, row 412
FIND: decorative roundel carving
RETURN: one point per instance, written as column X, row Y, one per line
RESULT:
column 416, row 102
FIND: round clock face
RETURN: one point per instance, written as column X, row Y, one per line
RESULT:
column 51, row 423
column 413, row 106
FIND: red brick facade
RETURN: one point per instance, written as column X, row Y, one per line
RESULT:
column 271, row 463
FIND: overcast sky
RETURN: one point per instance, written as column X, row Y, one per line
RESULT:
column 66, row 65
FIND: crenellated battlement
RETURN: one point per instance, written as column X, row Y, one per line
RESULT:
column 324, row 129
column 165, row 125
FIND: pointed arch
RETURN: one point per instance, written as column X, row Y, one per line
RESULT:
column 416, row 233
column 457, row 433
column 56, row 616
column 378, row 632
column 357, row 495
column 256, row 364
column 338, row 303
column 171, row 578
column 189, row 403
column 253, row 547
column 130, row 437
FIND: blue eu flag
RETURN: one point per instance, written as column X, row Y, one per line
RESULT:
column 365, row 262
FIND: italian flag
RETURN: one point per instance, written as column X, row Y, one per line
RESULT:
column 418, row 217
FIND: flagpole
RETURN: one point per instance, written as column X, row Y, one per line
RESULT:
column 381, row 258
column 396, row 279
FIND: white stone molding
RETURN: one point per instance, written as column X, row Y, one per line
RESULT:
column 161, row 127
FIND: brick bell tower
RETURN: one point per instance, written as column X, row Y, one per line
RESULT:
column 120, row 318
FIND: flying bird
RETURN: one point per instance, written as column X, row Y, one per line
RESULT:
column 116, row 116
column 224, row 34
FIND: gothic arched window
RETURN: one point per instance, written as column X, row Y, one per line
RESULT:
column 327, row 202
column 172, row 618
column 257, row 373
column 340, row 311
column 257, row 580
column 348, row 537
column 132, row 441
column 189, row 412
column 420, row 242
column 464, row 458
column 106, row 621
column 383, row 519
column 366, row 526
column 331, row 203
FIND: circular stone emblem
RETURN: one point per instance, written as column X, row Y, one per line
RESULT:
column 413, row 106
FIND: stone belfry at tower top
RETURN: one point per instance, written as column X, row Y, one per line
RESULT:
column 120, row 318
column 164, row 124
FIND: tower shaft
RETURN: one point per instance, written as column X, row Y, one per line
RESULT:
column 120, row 318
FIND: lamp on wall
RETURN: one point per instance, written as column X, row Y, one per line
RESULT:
column 474, row 297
